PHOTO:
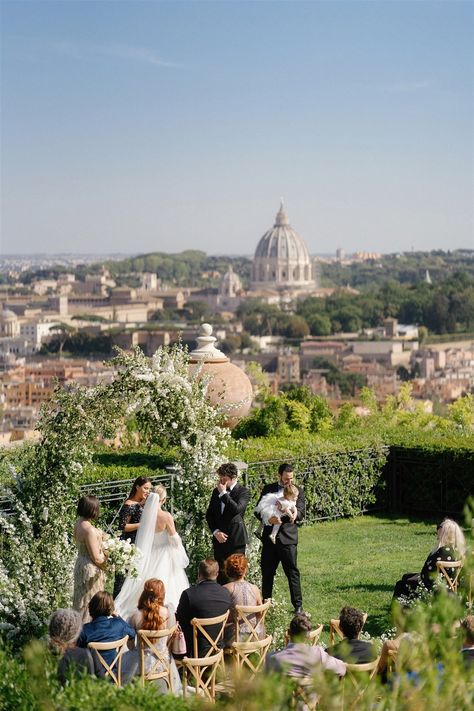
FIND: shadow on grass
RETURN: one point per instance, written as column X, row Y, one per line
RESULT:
column 368, row 587
column 402, row 519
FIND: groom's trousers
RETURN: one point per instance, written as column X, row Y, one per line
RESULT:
column 272, row 555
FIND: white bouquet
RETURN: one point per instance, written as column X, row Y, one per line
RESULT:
column 122, row 555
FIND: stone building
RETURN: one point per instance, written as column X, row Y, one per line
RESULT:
column 282, row 260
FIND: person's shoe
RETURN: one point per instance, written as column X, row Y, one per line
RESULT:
column 298, row 610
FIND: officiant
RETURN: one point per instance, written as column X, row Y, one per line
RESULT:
column 225, row 516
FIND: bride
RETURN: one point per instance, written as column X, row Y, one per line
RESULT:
column 162, row 556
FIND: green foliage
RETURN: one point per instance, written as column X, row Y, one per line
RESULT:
column 30, row 684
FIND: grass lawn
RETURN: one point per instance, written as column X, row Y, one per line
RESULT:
column 357, row 562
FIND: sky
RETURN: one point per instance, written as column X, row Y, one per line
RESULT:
column 162, row 126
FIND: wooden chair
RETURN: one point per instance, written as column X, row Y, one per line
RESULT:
column 203, row 672
column 445, row 565
column 250, row 656
column 114, row 670
column 244, row 613
column 335, row 629
column 160, row 658
column 199, row 625
column 304, row 694
column 313, row 636
column 369, row 668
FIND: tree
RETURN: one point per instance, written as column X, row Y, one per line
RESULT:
column 63, row 331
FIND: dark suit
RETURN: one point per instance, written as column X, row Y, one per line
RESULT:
column 206, row 599
column 230, row 521
column 284, row 551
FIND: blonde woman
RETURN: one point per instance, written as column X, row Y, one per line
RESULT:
column 450, row 545
column 162, row 556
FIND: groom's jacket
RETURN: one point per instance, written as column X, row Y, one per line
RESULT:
column 226, row 514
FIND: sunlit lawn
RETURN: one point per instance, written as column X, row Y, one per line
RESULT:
column 356, row 562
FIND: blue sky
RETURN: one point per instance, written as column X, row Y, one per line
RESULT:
column 143, row 126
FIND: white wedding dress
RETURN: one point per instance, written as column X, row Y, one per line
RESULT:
column 162, row 556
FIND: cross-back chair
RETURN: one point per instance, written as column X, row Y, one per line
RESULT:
column 313, row 636
column 304, row 694
column 113, row 670
column 202, row 671
column 160, row 667
column 215, row 640
column 444, row 566
column 369, row 668
column 335, row 628
column 250, row 656
column 251, row 617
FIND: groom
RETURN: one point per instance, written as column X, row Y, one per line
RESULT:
column 225, row 516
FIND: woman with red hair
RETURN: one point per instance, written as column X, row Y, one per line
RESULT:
column 152, row 614
column 242, row 593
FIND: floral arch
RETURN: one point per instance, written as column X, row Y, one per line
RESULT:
column 169, row 406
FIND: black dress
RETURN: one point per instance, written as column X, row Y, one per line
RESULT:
column 410, row 583
column 129, row 513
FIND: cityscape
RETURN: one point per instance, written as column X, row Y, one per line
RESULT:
column 63, row 316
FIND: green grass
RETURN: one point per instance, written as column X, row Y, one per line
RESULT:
column 357, row 562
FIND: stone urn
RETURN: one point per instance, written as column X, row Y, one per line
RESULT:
column 229, row 387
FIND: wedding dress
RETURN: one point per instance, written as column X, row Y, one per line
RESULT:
column 162, row 556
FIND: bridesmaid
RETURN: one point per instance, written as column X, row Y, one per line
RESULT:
column 89, row 570
column 129, row 518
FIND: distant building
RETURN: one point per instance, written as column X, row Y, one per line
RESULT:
column 288, row 368
column 282, row 260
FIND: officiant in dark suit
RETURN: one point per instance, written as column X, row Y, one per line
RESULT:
column 285, row 548
column 225, row 515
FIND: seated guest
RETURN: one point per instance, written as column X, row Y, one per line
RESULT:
column 352, row 649
column 205, row 599
column 467, row 651
column 299, row 658
column 106, row 625
column 241, row 593
column 64, row 630
column 151, row 614
column 450, row 545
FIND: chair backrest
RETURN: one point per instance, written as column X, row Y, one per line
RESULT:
column 313, row 636
column 449, row 565
column 335, row 628
column 369, row 668
column 304, row 693
column 214, row 637
column 203, row 672
column 252, row 617
column 114, row 669
column 250, row 656
column 160, row 658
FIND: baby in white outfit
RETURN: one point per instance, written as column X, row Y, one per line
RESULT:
column 277, row 504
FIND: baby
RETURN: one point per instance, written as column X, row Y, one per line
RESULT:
column 277, row 505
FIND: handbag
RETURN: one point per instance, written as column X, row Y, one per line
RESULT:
column 178, row 642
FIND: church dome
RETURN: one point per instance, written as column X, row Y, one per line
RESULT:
column 230, row 283
column 282, row 258
column 9, row 325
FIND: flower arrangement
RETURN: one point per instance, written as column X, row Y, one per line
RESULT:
column 122, row 555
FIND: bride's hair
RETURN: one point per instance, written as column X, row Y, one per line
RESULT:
column 161, row 491
column 151, row 599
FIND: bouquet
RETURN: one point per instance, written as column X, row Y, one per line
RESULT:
column 122, row 555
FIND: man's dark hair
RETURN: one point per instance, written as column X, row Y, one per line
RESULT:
column 208, row 569
column 300, row 625
column 88, row 507
column 351, row 622
column 101, row 605
column 228, row 469
column 283, row 468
